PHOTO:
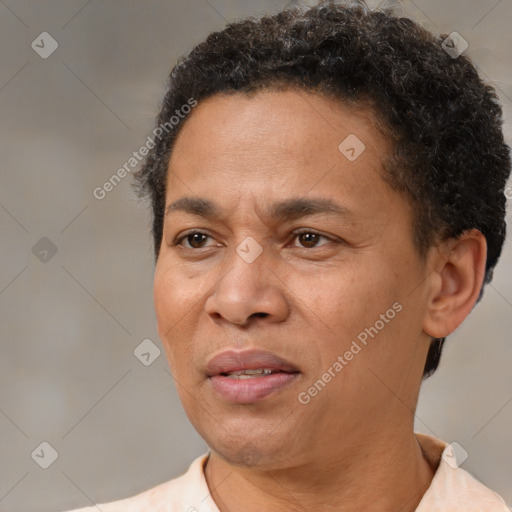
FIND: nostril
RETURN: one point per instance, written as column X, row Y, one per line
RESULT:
column 260, row 315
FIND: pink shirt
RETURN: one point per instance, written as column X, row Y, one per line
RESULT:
column 452, row 489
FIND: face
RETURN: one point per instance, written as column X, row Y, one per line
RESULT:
column 288, row 293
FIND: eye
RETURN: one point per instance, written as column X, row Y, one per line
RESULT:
column 309, row 239
column 193, row 240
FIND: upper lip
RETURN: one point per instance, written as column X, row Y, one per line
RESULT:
column 232, row 361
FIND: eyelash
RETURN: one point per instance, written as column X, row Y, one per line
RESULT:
column 178, row 241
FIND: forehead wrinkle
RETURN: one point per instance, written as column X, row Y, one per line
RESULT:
column 286, row 210
column 295, row 208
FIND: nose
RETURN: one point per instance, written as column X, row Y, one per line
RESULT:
column 248, row 292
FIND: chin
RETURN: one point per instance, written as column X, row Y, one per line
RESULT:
column 248, row 455
column 246, row 436
column 246, row 450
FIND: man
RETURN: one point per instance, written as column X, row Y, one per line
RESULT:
column 327, row 209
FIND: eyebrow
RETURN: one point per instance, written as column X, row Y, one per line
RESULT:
column 287, row 210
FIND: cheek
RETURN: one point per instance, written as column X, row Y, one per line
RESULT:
column 174, row 294
column 178, row 300
column 345, row 307
column 165, row 298
column 171, row 306
column 346, row 298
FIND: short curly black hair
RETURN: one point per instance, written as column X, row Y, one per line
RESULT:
column 444, row 123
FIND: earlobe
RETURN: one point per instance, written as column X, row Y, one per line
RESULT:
column 456, row 280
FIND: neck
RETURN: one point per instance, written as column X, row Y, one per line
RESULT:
column 390, row 474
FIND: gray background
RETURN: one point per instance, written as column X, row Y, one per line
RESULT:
column 69, row 325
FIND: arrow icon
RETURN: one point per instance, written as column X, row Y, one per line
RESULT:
column 44, row 45
column 44, row 455
column 249, row 249
column 454, row 45
column 454, row 455
column 44, row 250
column 351, row 147
column 146, row 352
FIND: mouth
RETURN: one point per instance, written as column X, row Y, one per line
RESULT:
column 249, row 376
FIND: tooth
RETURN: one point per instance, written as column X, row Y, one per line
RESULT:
column 247, row 374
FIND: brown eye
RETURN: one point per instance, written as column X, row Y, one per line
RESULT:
column 310, row 239
column 194, row 240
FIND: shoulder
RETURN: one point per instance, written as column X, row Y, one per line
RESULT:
column 453, row 488
column 186, row 493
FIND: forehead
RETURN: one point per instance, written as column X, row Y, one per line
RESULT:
column 278, row 120
column 272, row 142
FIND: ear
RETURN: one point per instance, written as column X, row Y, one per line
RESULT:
column 459, row 269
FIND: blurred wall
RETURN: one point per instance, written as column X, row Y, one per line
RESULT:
column 76, row 272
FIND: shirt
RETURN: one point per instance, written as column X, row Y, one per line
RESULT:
column 452, row 489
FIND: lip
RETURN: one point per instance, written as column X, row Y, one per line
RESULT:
column 254, row 389
column 232, row 361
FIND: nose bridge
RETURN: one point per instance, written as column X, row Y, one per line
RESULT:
column 248, row 269
column 248, row 287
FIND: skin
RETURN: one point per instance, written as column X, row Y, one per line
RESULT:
column 305, row 299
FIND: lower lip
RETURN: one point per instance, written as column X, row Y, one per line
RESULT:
column 246, row 391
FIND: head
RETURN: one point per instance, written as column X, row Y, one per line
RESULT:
column 387, row 153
